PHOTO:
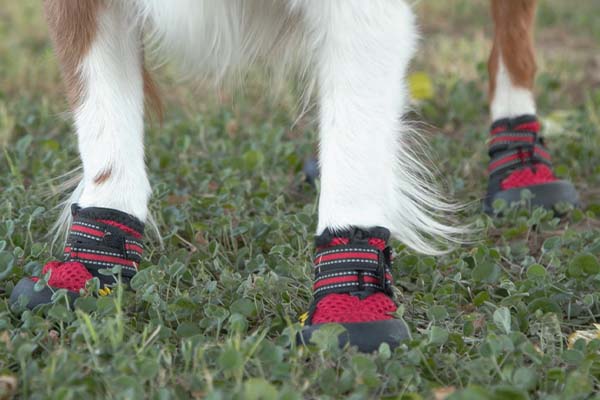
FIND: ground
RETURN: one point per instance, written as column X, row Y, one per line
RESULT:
column 215, row 310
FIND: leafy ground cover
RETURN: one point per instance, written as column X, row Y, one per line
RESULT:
column 215, row 309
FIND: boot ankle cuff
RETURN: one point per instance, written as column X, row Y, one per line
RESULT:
column 353, row 234
column 126, row 222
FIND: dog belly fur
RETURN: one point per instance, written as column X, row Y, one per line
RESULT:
column 219, row 38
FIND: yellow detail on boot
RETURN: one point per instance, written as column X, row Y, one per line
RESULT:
column 303, row 318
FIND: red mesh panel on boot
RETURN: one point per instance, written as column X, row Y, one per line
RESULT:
column 378, row 243
column 539, row 173
column 344, row 308
column 66, row 275
column 335, row 242
column 375, row 242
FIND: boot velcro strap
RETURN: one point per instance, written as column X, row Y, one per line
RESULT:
column 511, row 140
column 515, row 142
column 351, row 268
column 84, row 228
column 101, row 257
column 507, row 160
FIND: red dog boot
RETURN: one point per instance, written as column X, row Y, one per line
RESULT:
column 99, row 238
column 353, row 287
column 519, row 160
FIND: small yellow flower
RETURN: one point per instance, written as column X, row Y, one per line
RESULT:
column 104, row 291
column 420, row 86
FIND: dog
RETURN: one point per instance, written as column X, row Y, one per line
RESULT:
column 373, row 187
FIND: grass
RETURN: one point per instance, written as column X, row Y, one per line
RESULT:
column 214, row 312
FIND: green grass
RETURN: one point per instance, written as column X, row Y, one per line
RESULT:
column 214, row 312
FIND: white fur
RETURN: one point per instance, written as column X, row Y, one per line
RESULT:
column 359, row 51
column 368, row 175
column 509, row 100
column 109, row 120
column 222, row 38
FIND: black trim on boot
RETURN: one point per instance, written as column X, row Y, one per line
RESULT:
column 354, row 234
column 366, row 336
column 25, row 287
column 546, row 195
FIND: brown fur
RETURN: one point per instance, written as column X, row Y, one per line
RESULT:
column 103, row 176
column 152, row 95
column 73, row 26
column 513, row 38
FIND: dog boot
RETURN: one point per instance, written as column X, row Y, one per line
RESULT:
column 99, row 238
column 519, row 160
column 353, row 288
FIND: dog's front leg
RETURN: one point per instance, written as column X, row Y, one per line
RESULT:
column 370, row 182
column 99, row 50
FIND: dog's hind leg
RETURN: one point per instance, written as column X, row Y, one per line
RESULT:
column 99, row 50
column 519, row 159
column 512, row 63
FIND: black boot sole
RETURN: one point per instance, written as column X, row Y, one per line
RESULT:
column 25, row 288
column 546, row 195
column 367, row 336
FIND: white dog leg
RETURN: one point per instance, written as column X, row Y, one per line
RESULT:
column 100, row 52
column 512, row 63
column 369, row 177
